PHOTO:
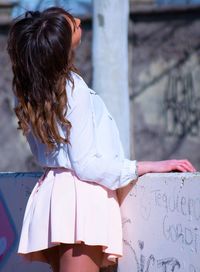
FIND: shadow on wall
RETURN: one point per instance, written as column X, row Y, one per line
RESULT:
column 165, row 93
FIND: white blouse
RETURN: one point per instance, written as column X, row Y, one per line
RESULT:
column 96, row 153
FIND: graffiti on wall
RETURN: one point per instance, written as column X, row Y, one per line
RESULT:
column 181, row 106
column 8, row 235
column 150, row 263
column 163, row 234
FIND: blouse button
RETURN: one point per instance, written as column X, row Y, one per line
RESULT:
column 98, row 155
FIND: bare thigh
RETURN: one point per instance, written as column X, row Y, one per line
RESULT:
column 74, row 258
column 80, row 258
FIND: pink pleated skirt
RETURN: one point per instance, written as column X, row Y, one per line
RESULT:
column 64, row 209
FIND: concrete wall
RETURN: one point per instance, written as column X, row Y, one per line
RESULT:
column 15, row 189
column 160, row 216
column 161, row 224
column 165, row 88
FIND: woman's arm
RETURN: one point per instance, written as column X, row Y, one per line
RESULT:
column 164, row 166
column 89, row 163
column 92, row 166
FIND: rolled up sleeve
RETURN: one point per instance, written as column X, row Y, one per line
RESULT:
column 86, row 161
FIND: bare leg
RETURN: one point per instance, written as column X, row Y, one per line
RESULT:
column 80, row 258
column 52, row 256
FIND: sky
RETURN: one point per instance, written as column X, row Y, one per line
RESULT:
column 77, row 7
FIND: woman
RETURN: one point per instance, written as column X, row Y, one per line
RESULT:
column 73, row 207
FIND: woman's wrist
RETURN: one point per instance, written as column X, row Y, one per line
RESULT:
column 144, row 167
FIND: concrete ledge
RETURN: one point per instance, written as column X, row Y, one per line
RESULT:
column 15, row 189
column 161, row 223
column 160, row 215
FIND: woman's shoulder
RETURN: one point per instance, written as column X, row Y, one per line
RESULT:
column 77, row 90
column 78, row 80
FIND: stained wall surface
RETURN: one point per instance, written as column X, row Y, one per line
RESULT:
column 161, row 224
column 15, row 189
column 165, row 88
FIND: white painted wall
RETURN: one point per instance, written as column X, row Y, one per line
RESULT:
column 161, row 224
column 110, row 61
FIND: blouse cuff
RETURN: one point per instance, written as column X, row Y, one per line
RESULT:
column 129, row 172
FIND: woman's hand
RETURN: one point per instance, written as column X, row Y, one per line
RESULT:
column 165, row 166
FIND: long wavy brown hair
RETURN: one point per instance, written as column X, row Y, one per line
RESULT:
column 39, row 46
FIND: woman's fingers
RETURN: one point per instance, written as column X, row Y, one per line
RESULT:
column 181, row 168
column 173, row 165
column 184, row 166
column 165, row 166
column 189, row 165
